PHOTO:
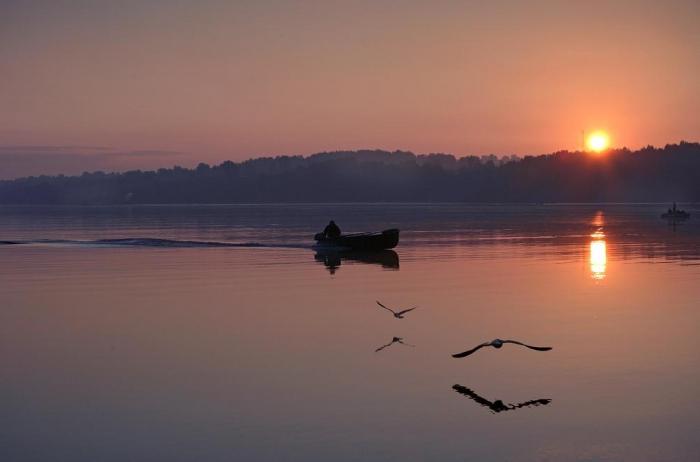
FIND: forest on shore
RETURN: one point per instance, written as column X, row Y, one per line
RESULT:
column 671, row 173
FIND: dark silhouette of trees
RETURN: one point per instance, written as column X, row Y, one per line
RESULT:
column 650, row 174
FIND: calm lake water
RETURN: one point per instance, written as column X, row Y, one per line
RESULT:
column 163, row 348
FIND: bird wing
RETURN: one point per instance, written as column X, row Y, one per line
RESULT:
column 533, row 402
column 468, row 352
column 406, row 311
column 462, row 390
column 389, row 309
column 404, row 343
column 383, row 346
column 528, row 346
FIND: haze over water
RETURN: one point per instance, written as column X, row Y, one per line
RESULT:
column 163, row 348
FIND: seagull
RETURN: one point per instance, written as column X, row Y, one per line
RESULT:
column 498, row 343
column 498, row 405
column 397, row 314
column 393, row 340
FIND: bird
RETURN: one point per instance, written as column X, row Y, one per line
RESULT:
column 498, row 343
column 498, row 405
column 393, row 340
column 397, row 314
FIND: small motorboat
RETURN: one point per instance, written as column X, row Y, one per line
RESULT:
column 675, row 214
column 387, row 239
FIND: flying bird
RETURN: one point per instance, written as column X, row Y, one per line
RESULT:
column 397, row 314
column 498, row 343
column 498, row 405
column 393, row 340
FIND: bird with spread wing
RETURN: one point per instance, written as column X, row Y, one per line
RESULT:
column 393, row 340
column 498, row 343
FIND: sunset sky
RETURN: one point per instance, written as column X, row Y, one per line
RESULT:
column 106, row 84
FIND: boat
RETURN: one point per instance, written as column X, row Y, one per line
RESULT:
column 387, row 239
column 675, row 214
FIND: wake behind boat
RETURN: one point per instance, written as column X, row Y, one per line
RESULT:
column 387, row 239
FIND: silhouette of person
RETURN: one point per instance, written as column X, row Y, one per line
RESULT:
column 332, row 230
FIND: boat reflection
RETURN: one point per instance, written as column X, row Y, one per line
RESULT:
column 332, row 259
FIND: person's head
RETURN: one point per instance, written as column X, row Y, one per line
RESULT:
column 332, row 222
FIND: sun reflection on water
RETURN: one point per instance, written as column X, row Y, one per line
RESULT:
column 598, row 249
column 599, row 258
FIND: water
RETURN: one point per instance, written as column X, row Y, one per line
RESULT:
column 163, row 348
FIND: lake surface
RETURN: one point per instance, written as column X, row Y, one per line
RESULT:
column 126, row 335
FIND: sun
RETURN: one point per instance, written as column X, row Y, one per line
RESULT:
column 598, row 141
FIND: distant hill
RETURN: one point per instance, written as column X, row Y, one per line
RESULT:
column 650, row 174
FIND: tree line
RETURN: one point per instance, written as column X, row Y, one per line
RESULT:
column 671, row 173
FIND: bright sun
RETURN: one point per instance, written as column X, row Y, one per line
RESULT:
column 598, row 141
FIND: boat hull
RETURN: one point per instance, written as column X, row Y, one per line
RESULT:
column 387, row 239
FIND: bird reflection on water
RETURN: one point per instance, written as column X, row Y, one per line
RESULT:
column 333, row 258
column 393, row 340
column 498, row 405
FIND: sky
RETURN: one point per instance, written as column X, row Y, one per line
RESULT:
column 142, row 84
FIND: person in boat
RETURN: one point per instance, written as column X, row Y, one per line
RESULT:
column 332, row 230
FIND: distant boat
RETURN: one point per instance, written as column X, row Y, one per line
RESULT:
column 675, row 214
column 387, row 239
